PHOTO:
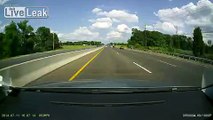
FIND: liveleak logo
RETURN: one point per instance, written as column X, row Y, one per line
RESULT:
column 26, row 12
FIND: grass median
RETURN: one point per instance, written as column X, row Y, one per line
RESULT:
column 63, row 47
column 76, row 47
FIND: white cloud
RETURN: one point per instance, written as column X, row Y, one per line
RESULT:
column 105, row 26
column 82, row 33
column 186, row 17
column 200, row 14
column 123, row 16
column 96, row 10
column 165, row 27
column 102, row 23
column 117, row 15
column 114, row 35
column 150, row 27
column 123, row 28
column 60, row 35
column 3, row 1
column 208, row 37
column 137, row 27
column 117, row 24
column 2, row 26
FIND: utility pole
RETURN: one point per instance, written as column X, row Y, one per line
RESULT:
column 171, row 42
column 176, row 28
column 153, row 26
column 53, row 42
column 145, row 36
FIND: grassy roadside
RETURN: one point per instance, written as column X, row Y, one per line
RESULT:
column 166, row 50
column 118, row 46
column 176, row 51
column 76, row 47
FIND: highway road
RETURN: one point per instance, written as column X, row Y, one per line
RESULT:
column 113, row 63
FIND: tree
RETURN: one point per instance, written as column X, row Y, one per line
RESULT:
column 56, row 41
column 97, row 43
column 1, row 45
column 198, row 44
column 45, row 39
column 158, row 39
column 12, row 43
column 176, row 41
column 137, row 37
column 19, row 38
column 26, row 32
column 209, row 42
column 189, row 43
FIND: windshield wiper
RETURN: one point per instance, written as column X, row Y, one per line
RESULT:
column 208, row 86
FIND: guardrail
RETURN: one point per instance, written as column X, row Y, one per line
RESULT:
column 26, row 72
column 203, row 60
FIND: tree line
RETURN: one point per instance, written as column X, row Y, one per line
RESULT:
column 20, row 38
column 157, row 39
column 117, row 43
column 97, row 43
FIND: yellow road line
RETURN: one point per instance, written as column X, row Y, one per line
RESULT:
column 83, row 67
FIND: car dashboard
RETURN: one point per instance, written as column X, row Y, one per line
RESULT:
column 165, row 105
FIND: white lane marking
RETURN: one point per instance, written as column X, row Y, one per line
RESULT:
column 142, row 67
column 117, row 53
column 167, row 63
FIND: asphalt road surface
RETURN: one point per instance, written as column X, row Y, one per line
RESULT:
column 113, row 63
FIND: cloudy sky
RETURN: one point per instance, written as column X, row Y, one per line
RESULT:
column 112, row 20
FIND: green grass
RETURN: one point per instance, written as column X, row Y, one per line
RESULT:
column 209, row 56
column 118, row 46
column 166, row 50
column 186, row 52
column 76, row 47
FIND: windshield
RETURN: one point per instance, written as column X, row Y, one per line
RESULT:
column 105, row 44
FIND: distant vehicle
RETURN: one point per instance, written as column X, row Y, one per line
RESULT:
column 122, row 47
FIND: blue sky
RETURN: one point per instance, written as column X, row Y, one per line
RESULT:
column 96, row 19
